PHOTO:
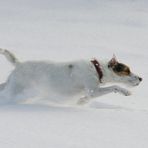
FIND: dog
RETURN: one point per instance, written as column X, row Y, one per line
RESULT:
column 81, row 80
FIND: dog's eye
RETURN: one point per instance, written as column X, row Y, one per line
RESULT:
column 119, row 68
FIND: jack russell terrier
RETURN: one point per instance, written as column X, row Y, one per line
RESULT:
column 81, row 80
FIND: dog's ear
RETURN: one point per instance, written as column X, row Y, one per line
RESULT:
column 113, row 61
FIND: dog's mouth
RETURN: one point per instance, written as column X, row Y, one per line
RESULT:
column 137, row 84
column 133, row 84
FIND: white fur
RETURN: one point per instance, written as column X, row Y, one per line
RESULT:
column 61, row 82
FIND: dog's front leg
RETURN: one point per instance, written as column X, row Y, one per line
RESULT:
column 103, row 91
column 111, row 89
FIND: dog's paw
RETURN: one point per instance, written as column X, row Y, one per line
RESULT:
column 126, row 93
column 83, row 101
column 122, row 91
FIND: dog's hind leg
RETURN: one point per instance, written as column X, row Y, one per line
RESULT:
column 83, row 100
column 4, row 95
column 2, row 86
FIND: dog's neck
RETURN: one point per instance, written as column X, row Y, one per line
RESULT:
column 108, row 75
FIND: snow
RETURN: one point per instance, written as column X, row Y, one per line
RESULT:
column 37, row 126
column 69, row 30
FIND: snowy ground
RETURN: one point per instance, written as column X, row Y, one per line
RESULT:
column 67, row 30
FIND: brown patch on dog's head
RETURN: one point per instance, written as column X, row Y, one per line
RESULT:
column 119, row 68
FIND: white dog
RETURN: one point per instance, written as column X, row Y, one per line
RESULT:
column 80, row 80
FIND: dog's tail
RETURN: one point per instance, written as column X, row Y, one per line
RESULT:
column 9, row 56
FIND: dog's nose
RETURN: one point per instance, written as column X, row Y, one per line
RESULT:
column 140, row 79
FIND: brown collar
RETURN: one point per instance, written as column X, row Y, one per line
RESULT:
column 98, row 69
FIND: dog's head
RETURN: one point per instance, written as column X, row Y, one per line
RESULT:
column 122, row 73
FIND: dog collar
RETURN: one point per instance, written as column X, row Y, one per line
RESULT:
column 98, row 69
